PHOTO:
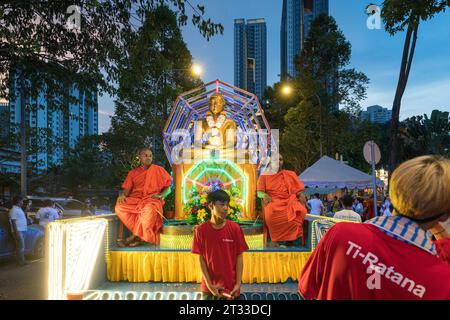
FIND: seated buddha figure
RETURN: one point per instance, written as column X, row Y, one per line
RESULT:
column 216, row 124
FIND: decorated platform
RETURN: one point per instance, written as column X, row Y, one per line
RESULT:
column 216, row 137
column 144, row 264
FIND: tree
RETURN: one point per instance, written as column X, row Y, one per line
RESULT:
column 398, row 16
column 40, row 50
column 276, row 106
column 422, row 135
column 88, row 164
column 323, row 83
column 155, row 70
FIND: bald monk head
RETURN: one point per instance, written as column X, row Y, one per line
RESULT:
column 145, row 156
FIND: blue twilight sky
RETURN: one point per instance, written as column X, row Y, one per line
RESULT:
column 374, row 52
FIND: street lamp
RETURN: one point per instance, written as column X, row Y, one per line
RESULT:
column 197, row 70
column 287, row 90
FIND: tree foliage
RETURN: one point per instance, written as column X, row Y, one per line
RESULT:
column 422, row 135
column 35, row 34
column 156, row 69
column 399, row 16
column 323, row 83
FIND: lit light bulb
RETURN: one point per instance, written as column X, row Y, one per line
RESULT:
column 287, row 90
column 197, row 70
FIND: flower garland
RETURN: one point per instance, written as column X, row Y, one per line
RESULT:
column 196, row 209
column 216, row 123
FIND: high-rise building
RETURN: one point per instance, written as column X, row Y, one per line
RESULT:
column 250, row 55
column 54, row 131
column 376, row 114
column 4, row 120
column 296, row 19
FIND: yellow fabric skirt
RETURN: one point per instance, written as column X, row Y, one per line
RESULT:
column 184, row 266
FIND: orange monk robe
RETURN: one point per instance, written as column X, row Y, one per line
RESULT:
column 284, row 215
column 139, row 213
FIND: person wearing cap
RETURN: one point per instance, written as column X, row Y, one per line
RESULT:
column 389, row 257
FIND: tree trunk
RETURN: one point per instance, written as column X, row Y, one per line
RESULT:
column 408, row 55
column 23, row 140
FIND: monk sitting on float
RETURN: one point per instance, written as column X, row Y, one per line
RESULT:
column 283, row 203
column 140, row 205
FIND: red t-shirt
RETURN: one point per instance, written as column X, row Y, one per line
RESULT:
column 220, row 249
column 339, row 267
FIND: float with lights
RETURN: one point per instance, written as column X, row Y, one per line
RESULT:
column 215, row 137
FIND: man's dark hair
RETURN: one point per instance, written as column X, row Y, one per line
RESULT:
column 218, row 195
column 317, row 195
column 16, row 200
column 391, row 208
column 346, row 200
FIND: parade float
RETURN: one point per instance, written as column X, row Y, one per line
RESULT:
column 215, row 137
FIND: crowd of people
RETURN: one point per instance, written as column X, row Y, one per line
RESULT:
column 20, row 219
column 356, row 208
column 370, row 260
column 409, row 225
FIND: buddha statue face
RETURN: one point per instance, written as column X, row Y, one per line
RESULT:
column 216, row 103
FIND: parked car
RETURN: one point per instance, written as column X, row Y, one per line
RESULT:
column 34, row 238
column 70, row 208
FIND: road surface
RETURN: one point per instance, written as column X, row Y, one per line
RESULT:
column 22, row 283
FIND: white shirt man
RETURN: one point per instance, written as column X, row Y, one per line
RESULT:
column 16, row 213
column 46, row 215
column 387, row 212
column 348, row 214
column 316, row 206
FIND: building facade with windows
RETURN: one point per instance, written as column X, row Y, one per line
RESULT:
column 376, row 114
column 296, row 19
column 250, row 55
column 52, row 131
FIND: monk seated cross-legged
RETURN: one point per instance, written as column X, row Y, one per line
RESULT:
column 140, row 206
column 283, row 202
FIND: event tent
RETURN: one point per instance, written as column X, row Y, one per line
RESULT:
column 330, row 173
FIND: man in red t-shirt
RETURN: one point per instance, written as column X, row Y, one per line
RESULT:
column 220, row 244
column 390, row 257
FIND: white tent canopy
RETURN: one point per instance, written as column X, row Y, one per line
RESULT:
column 330, row 173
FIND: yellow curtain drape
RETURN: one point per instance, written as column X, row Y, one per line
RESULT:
column 183, row 266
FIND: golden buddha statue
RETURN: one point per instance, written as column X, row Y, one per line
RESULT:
column 216, row 124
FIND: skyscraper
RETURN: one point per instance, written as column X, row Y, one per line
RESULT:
column 250, row 55
column 4, row 120
column 296, row 19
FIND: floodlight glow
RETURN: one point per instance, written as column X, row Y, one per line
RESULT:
column 286, row 89
column 197, row 70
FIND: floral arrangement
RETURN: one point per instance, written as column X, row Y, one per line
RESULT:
column 196, row 210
